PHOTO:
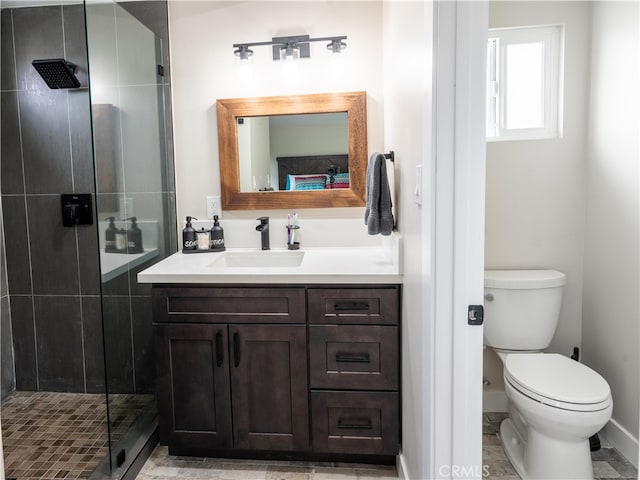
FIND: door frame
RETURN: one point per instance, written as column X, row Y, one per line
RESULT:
column 454, row 239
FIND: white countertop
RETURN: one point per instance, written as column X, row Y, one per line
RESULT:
column 114, row 264
column 378, row 264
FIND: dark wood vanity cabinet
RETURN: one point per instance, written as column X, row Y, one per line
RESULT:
column 354, row 370
column 296, row 370
column 226, row 382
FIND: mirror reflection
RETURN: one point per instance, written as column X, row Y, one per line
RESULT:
column 315, row 143
column 293, row 152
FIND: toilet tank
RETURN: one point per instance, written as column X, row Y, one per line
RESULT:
column 521, row 308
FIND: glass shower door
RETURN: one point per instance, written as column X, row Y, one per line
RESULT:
column 135, row 206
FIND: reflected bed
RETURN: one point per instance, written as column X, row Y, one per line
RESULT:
column 313, row 172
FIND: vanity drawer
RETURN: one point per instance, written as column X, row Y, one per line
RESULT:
column 353, row 357
column 356, row 422
column 229, row 305
column 373, row 306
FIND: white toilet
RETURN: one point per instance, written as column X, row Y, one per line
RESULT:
column 555, row 403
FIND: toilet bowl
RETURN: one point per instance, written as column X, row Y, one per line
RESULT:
column 555, row 403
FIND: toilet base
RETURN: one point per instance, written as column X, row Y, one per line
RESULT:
column 538, row 457
column 513, row 445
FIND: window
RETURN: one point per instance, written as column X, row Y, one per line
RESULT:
column 523, row 83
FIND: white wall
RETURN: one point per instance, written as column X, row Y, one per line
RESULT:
column 407, row 106
column 535, row 189
column 309, row 134
column 204, row 69
column 611, row 278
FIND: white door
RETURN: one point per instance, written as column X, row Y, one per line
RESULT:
column 458, row 249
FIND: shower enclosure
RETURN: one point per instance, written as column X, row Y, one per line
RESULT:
column 77, row 370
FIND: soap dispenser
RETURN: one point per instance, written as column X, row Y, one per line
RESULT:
column 217, row 236
column 134, row 237
column 189, row 241
column 110, row 236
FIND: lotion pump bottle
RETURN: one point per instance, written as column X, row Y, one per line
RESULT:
column 189, row 240
column 217, row 236
column 110, row 236
column 134, row 237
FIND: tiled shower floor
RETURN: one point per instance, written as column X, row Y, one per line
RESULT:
column 62, row 435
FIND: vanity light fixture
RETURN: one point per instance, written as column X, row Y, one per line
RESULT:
column 291, row 47
column 336, row 45
column 243, row 52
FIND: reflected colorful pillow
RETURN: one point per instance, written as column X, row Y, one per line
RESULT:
column 340, row 180
column 306, row 182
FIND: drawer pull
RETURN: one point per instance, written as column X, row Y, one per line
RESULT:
column 219, row 351
column 355, row 424
column 236, row 349
column 353, row 358
column 351, row 306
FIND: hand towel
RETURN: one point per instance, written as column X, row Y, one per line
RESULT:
column 377, row 215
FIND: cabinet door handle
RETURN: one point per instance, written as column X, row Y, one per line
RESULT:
column 219, row 351
column 355, row 424
column 236, row 349
column 353, row 358
column 347, row 306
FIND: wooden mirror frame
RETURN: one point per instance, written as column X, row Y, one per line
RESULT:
column 229, row 110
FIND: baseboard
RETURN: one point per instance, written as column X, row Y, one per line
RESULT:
column 401, row 465
column 494, row 401
column 622, row 440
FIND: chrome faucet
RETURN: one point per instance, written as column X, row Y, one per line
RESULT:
column 263, row 228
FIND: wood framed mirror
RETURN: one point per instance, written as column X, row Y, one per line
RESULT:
column 233, row 113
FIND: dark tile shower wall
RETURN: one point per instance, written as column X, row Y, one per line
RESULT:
column 53, row 271
column 46, row 150
column 7, row 368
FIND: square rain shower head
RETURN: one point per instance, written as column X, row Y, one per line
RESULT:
column 57, row 72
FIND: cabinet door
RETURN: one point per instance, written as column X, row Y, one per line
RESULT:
column 193, row 387
column 269, row 384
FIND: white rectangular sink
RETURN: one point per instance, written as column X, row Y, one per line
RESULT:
column 261, row 259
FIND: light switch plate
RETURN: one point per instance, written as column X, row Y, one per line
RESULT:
column 418, row 191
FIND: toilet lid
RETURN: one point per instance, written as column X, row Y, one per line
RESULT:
column 557, row 380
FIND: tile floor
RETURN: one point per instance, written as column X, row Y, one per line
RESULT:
column 162, row 466
column 607, row 464
column 62, row 435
